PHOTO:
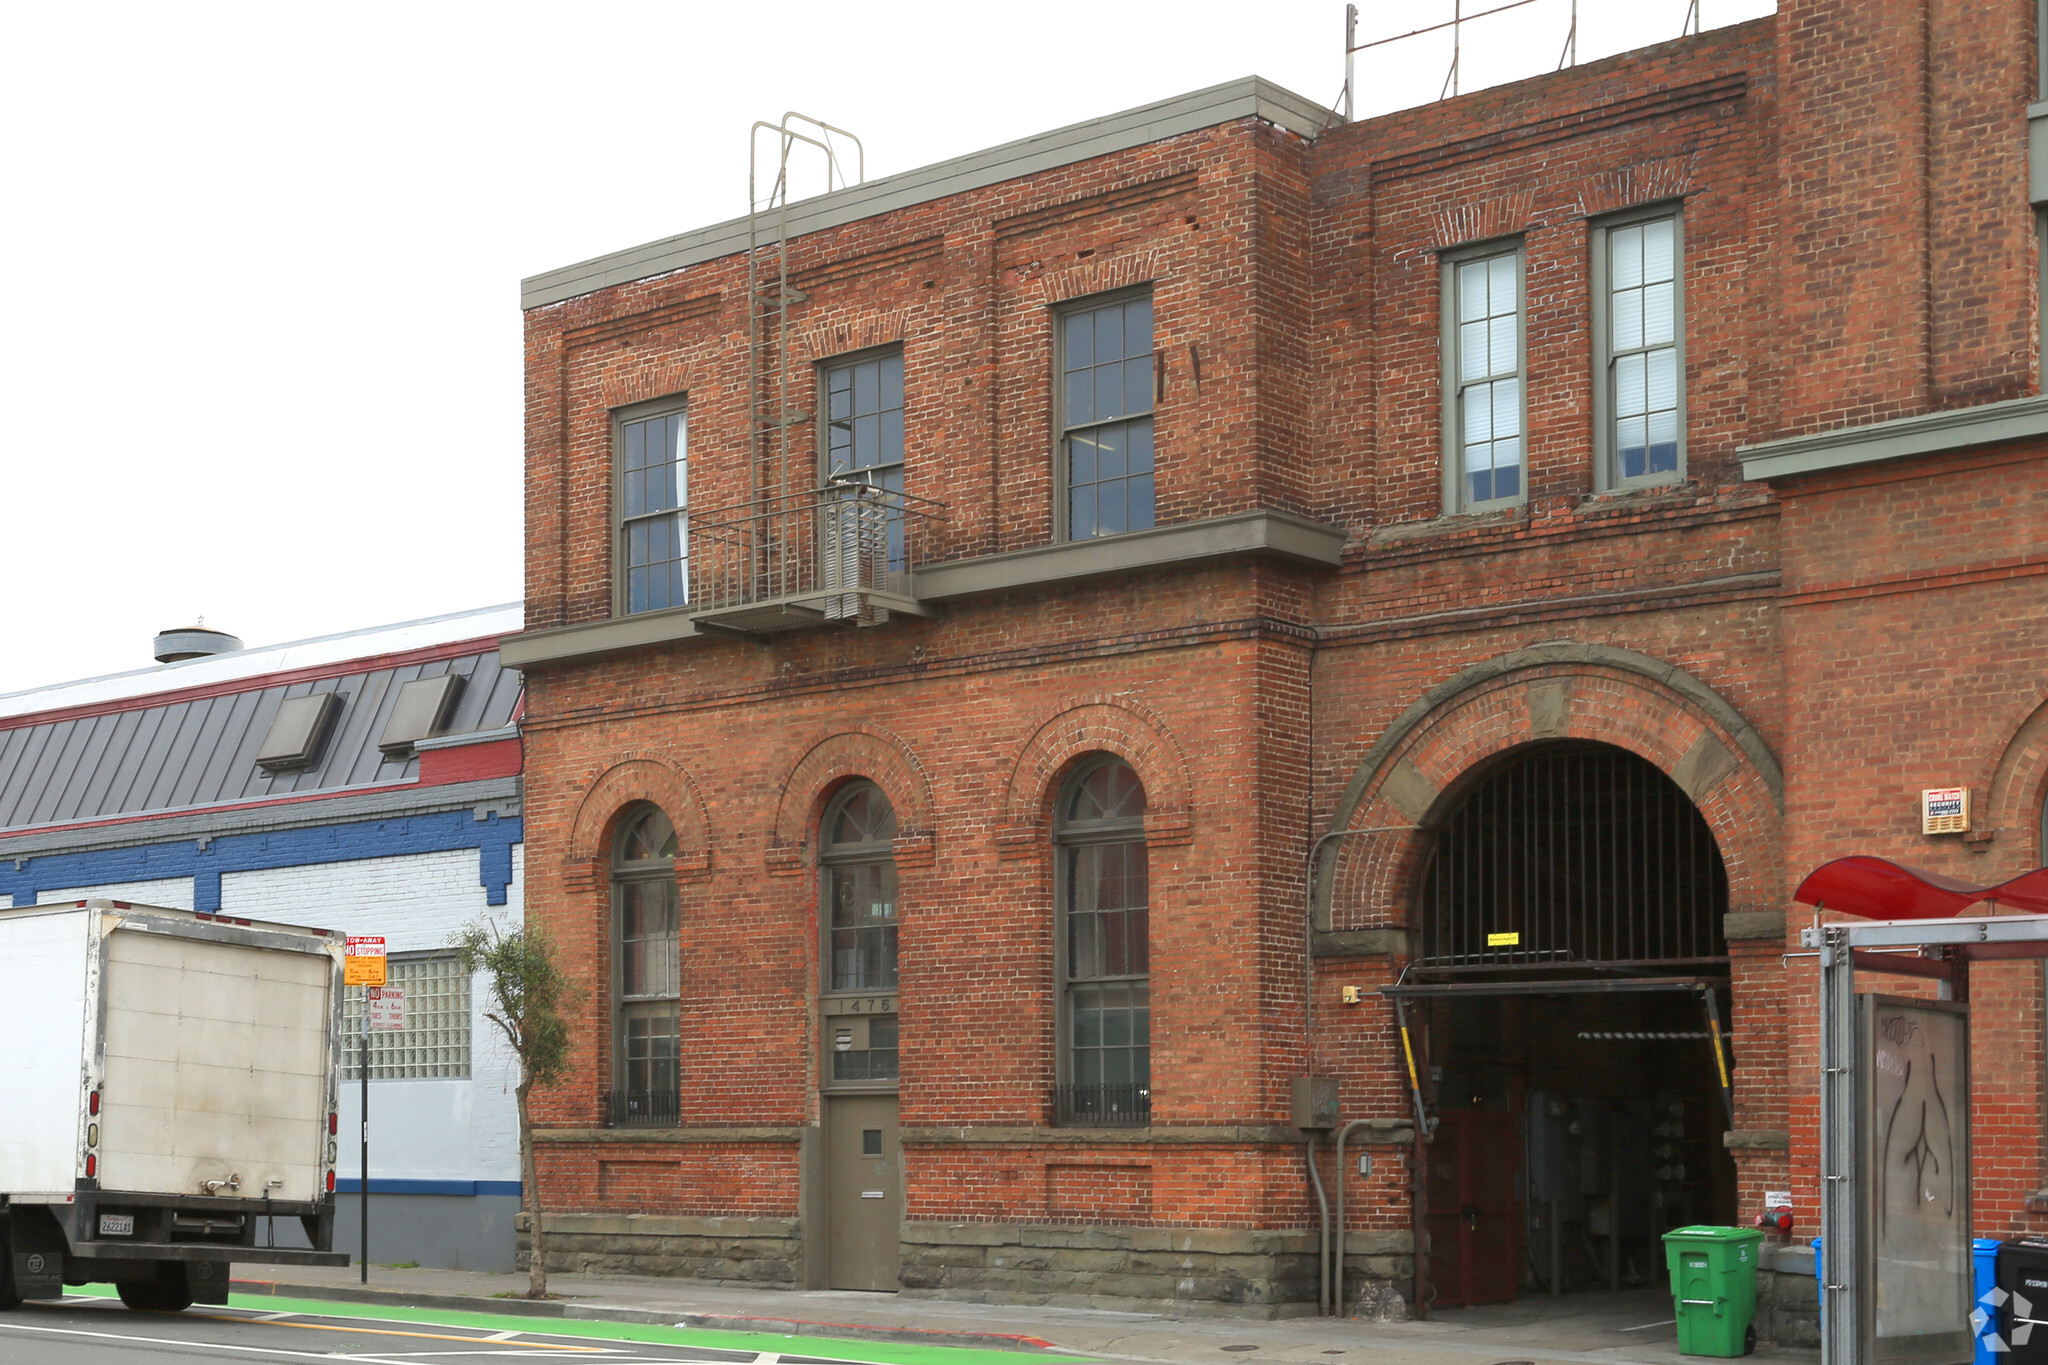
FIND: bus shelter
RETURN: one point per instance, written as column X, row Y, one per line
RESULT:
column 1895, row 1274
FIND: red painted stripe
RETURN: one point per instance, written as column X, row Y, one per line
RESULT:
column 470, row 762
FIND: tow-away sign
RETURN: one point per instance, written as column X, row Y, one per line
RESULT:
column 365, row 963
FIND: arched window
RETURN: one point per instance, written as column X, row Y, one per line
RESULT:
column 1104, row 962
column 857, row 876
column 646, row 970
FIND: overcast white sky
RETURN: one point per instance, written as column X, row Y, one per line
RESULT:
column 260, row 349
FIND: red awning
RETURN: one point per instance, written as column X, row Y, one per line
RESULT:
column 1877, row 888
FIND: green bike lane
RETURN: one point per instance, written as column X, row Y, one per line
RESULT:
column 90, row 1324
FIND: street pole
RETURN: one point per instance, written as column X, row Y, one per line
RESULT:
column 363, row 1196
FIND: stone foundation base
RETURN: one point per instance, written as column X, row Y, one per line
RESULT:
column 1260, row 1274
column 759, row 1253
column 1788, row 1297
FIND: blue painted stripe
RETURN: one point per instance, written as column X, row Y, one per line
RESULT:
column 205, row 861
column 378, row 1185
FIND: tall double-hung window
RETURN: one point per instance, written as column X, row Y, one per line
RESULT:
column 1485, row 459
column 652, row 459
column 1639, row 347
column 864, row 432
column 1104, row 406
column 647, row 970
column 1104, row 948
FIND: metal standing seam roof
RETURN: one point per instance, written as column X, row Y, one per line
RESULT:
column 201, row 752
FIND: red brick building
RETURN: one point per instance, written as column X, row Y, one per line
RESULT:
column 970, row 634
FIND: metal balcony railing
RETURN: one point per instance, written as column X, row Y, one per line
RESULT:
column 845, row 552
column 1102, row 1106
column 643, row 1108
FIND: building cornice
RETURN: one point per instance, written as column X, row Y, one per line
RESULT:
column 497, row 795
column 1931, row 433
column 1249, row 97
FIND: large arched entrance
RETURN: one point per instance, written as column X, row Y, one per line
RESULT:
column 1568, row 990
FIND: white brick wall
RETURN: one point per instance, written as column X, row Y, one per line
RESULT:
column 420, row 1130
column 173, row 893
column 427, row 1129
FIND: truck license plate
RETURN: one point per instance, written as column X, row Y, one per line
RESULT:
column 117, row 1225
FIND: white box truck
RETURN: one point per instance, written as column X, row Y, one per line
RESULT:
column 167, row 1090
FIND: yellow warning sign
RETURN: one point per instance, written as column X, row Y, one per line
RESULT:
column 364, row 964
column 1507, row 940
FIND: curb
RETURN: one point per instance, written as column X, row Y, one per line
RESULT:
column 589, row 1312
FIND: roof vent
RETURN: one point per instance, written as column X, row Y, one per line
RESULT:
column 422, row 708
column 193, row 642
column 297, row 732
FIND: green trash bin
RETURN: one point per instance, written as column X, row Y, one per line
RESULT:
column 1713, row 1288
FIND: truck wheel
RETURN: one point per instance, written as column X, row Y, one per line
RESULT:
column 168, row 1292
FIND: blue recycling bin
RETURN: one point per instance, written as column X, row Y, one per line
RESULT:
column 1984, row 1317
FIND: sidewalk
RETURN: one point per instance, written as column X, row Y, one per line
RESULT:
column 1614, row 1329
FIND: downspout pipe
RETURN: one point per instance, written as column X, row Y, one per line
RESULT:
column 1336, row 1276
column 1308, row 1029
column 1315, row 1177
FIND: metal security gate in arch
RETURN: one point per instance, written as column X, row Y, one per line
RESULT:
column 1573, row 855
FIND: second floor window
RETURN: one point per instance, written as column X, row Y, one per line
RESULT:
column 654, row 536
column 1483, row 380
column 1638, row 332
column 1104, row 408
column 864, row 430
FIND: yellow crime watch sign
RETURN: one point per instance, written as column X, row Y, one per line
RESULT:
column 364, row 965
column 1508, row 940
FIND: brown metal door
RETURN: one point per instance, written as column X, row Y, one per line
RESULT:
column 864, row 1192
column 1472, row 1223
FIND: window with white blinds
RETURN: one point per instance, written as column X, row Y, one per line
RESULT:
column 434, row 1044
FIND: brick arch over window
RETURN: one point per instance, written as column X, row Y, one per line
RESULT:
column 1411, row 778
column 633, row 780
column 2019, row 787
column 1094, row 726
column 858, row 751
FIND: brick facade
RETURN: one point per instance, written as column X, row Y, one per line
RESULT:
column 1800, row 655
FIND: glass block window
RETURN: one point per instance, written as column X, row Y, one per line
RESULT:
column 864, row 430
column 1104, row 905
column 654, row 528
column 1486, row 377
column 858, row 879
column 1105, row 412
column 1642, row 344
column 434, row 1044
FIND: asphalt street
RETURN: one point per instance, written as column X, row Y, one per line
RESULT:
column 88, row 1330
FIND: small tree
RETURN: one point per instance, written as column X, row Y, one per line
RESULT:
column 530, row 997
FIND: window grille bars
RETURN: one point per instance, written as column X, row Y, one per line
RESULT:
column 1102, row 1106
column 1574, row 855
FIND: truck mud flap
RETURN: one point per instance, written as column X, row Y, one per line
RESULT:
column 35, row 1253
column 208, row 1281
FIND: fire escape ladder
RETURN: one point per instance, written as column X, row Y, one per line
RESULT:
column 776, row 560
